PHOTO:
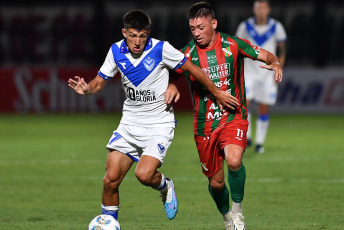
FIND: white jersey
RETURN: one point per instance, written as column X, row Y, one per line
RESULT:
column 266, row 36
column 145, row 80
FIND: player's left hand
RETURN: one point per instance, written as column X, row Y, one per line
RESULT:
column 171, row 94
column 276, row 66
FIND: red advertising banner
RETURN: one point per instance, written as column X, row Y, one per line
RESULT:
column 40, row 90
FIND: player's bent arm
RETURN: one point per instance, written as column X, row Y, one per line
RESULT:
column 81, row 87
column 272, row 63
column 282, row 52
column 223, row 98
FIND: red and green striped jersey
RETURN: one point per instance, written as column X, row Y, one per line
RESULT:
column 224, row 65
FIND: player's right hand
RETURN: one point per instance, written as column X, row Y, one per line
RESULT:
column 226, row 100
column 78, row 85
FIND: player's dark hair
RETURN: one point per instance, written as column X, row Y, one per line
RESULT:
column 136, row 19
column 266, row 1
column 199, row 10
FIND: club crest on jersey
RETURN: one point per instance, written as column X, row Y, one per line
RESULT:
column 149, row 63
column 227, row 51
column 161, row 148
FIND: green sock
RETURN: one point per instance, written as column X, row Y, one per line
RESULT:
column 236, row 180
column 221, row 199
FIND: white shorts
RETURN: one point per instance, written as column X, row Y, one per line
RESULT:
column 135, row 141
column 261, row 89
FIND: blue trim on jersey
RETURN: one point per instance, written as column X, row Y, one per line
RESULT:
column 139, row 73
column 124, row 48
column 103, row 76
column 260, row 39
column 180, row 64
column 264, row 117
column 133, row 158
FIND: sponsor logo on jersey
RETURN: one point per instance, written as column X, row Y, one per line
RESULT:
column 203, row 166
column 218, row 71
column 212, row 59
column 194, row 59
column 140, row 95
column 161, row 148
column 149, row 63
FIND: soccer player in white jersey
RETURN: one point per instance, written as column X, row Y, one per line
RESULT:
column 147, row 125
column 269, row 34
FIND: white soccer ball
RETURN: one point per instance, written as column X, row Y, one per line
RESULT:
column 104, row 222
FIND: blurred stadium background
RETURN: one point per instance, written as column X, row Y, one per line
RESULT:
column 51, row 139
column 43, row 43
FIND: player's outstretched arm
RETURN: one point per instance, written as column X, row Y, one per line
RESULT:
column 272, row 63
column 223, row 98
column 81, row 87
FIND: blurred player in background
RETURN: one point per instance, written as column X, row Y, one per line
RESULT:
column 269, row 34
column 147, row 125
column 220, row 134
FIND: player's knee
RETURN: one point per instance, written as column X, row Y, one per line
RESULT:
column 143, row 176
column 217, row 185
column 234, row 164
column 111, row 182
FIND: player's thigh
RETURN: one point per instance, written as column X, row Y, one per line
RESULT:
column 250, row 87
column 234, row 132
column 156, row 141
column 147, row 166
column 267, row 93
column 117, row 165
column 210, row 155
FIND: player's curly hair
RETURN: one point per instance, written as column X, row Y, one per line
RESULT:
column 136, row 19
column 199, row 10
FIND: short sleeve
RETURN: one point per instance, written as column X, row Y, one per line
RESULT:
column 172, row 57
column 281, row 35
column 109, row 67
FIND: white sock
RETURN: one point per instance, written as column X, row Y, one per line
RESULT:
column 236, row 207
column 262, row 128
column 163, row 184
column 249, row 129
column 227, row 217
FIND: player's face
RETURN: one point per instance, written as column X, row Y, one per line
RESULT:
column 261, row 10
column 136, row 40
column 203, row 31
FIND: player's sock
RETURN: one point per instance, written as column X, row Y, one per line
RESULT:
column 221, row 199
column 110, row 210
column 249, row 129
column 236, row 207
column 163, row 184
column 262, row 128
column 236, row 180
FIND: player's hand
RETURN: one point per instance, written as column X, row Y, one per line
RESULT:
column 171, row 94
column 276, row 66
column 78, row 85
column 226, row 100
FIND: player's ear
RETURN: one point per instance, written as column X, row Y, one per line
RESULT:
column 124, row 32
column 214, row 24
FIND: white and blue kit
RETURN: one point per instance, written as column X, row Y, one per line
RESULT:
column 260, row 83
column 147, row 123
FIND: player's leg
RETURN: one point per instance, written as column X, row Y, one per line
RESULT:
column 155, row 143
column 211, row 158
column 117, row 165
column 236, row 181
column 220, row 194
column 249, row 119
column 266, row 97
column 262, row 126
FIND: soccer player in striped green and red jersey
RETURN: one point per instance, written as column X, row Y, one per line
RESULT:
column 221, row 134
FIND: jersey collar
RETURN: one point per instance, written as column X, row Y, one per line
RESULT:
column 124, row 49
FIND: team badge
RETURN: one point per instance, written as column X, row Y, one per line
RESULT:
column 227, row 51
column 161, row 148
column 149, row 63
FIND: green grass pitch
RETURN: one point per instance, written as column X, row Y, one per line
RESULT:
column 51, row 170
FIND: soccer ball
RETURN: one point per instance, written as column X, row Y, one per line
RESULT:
column 104, row 222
